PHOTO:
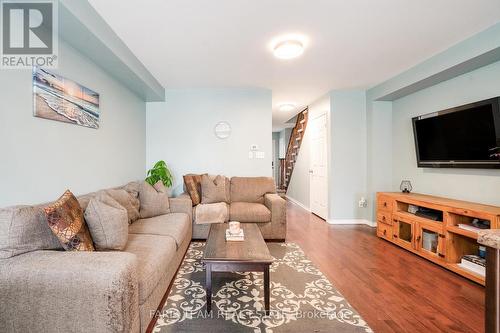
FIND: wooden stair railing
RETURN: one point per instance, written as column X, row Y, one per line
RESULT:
column 282, row 174
column 292, row 152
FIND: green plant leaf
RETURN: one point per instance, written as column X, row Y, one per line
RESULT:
column 159, row 172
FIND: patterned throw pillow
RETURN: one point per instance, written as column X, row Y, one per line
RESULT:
column 213, row 191
column 65, row 219
column 192, row 183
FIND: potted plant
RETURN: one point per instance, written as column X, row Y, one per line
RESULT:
column 159, row 172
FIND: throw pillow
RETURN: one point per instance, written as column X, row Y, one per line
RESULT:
column 213, row 191
column 154, row 200
column 192, row 183
column 133, row 188
column 65, row 219
column 24, row 229
column 128, row 202
column 107, row 220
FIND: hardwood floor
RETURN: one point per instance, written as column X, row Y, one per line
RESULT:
column 393, row 289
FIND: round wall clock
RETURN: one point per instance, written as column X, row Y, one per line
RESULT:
column 222, row 130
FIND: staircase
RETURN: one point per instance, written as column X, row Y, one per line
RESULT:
column 288, row 163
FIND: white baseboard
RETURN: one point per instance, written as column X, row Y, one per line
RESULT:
column 298, row 203
column 335, row 221
column 353, row 221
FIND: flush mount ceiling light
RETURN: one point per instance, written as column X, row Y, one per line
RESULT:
column 288, row 46
column 288, row 49
column 287, row 107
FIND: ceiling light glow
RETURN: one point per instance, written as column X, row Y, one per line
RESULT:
column 287, row 107
column 288, row 49
column 289, row 46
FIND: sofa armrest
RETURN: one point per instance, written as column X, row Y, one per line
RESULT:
column 58, row 291
column 277, row 206
column 182, row 204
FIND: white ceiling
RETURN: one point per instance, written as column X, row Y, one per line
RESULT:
column 352, row 44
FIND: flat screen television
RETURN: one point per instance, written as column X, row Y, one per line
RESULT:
column 467, row 136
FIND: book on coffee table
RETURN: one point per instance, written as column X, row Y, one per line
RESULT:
column 239, row 237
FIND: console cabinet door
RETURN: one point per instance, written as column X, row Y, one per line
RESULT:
column 430, row 241
column 404, row 233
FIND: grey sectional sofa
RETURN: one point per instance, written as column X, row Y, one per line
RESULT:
column 46, row 289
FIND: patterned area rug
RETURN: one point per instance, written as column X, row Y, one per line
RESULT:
column 302, row 298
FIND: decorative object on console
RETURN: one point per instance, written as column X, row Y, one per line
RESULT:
column 65, row 219
column 405, row 186
column 159, row 172
column 61, row 99
column 222, row 130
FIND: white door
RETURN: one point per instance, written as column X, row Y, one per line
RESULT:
column 318, row 169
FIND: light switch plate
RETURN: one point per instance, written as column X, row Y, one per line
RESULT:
column 260, row 154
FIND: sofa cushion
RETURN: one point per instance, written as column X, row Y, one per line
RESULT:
column 214, row 190
column 154, row 256
column 65, row 218
column 251, row 189
column 249, row 212
column 192, row 183
column 108, row 222
column 25, row 229
column 154, row 200
column 174, row 225
column 127, row 201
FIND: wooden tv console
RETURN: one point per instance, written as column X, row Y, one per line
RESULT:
column 397, row 225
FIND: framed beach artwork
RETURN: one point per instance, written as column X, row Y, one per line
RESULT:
column 61, row 99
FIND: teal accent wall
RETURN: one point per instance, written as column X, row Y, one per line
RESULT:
column 467, row 72
column 476, row 185
column 42, row 158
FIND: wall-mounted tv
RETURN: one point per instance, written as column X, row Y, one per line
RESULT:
column 467, row 136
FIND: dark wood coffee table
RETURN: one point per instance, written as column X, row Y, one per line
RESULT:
column 250, row 255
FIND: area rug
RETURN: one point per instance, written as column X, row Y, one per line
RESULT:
column 302, row 298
